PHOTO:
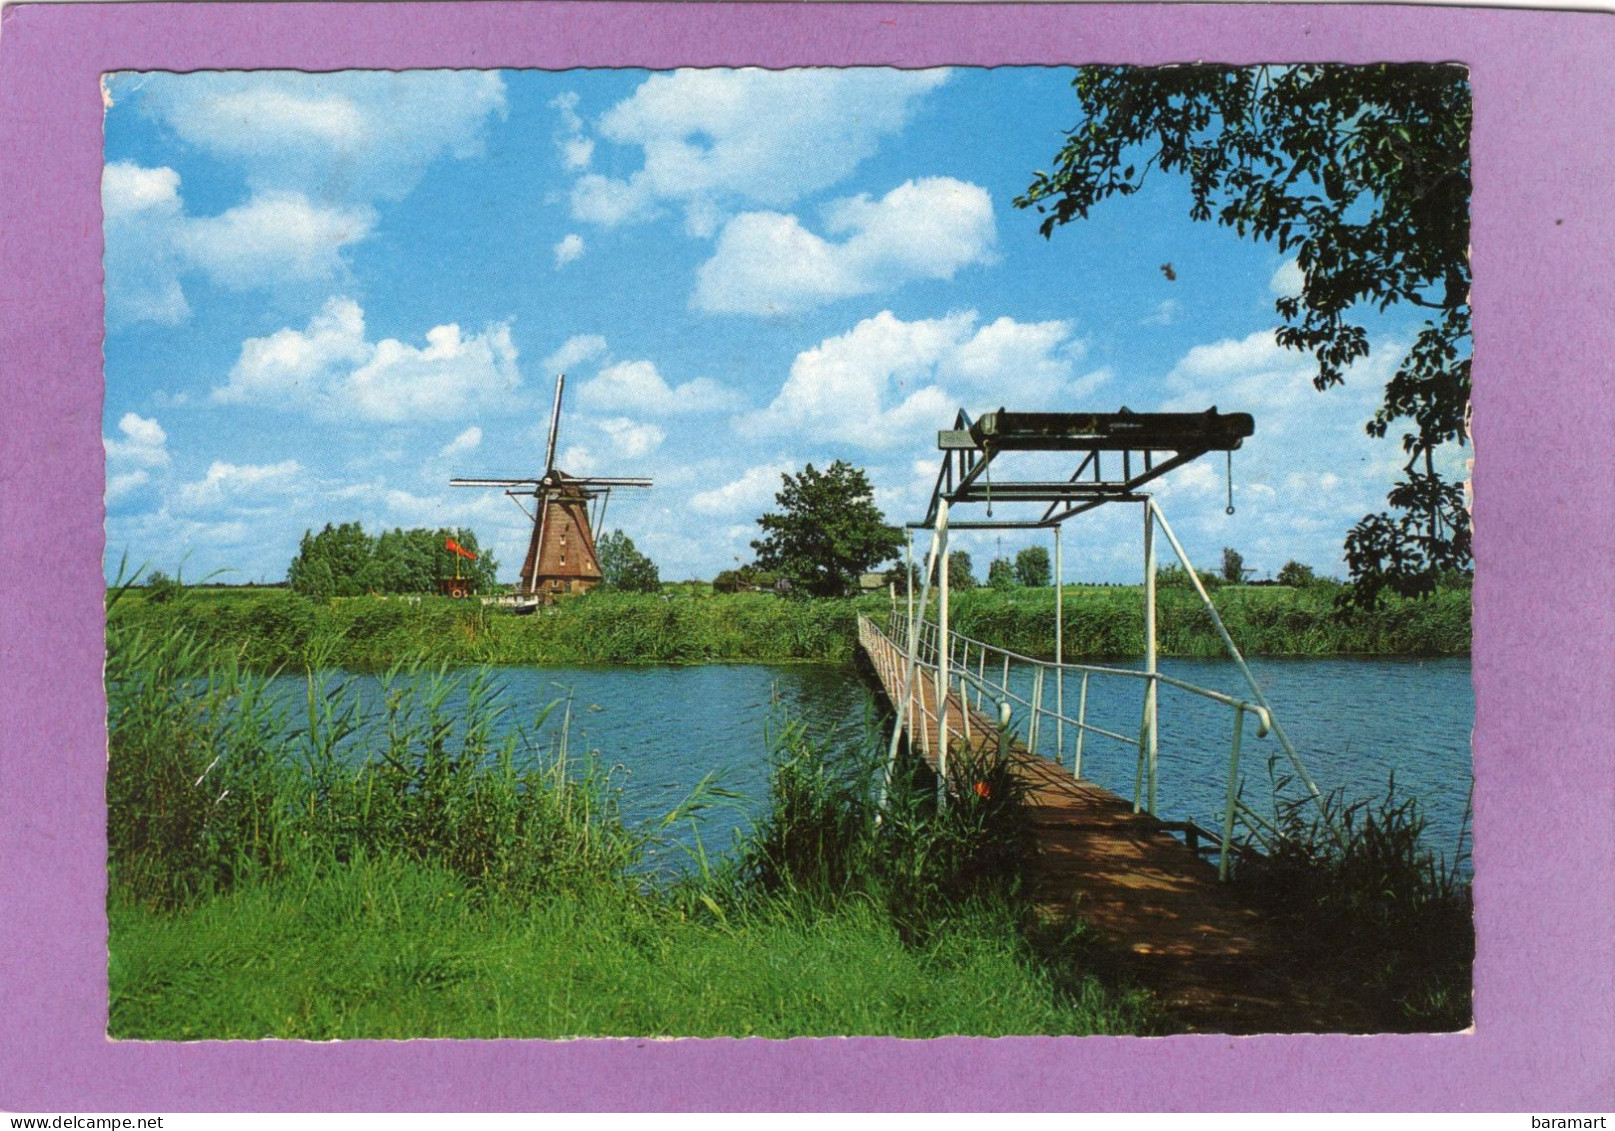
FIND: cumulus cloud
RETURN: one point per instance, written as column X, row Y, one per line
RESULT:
column 573, row 352
column 885, row 379
column 1307, row 476
column 330, row 368
column 576, row 149
column 229, row 482
column 637, row 386
column 1288, row 279
column 630, row 437
column 348, row 136
column 142, row 208
column 766, row 262
column 316, row 152
column 712, row 137
column 753, row 491
column 466, row 441
column 277, row 235
column 144, row 443
column 568, row 249
column 151, row 241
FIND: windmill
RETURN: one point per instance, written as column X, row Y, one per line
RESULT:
column 561, row 555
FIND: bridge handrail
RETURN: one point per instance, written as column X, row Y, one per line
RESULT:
column 925, row 654
column 1264, row 719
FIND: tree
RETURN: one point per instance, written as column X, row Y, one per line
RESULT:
column 1032, row 567
column 1363, row 173
column 1000, row 574
column 623, row 567
column 826, row 532
column 1296, row 575
column 161, row 588
column 344, row 561
column 961, row 573
column 329, row 564
column 1233, row 565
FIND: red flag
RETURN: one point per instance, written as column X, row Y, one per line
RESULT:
column 454, row 547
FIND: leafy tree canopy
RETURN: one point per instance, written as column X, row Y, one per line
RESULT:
column 961, row 571
column 1296, row 575
column 826, row 532
column 623, row 567
column 1233, row 565
column 344, row 561
column 1032, row 567
column 1363, row 174
column 1000, row 574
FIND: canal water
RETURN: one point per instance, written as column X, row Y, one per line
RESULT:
column 664, row 729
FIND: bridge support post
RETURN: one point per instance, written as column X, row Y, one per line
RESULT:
column 1147, row 752
column 905, row 709
column 1250, row 680
column 942, row 648
column 1059, row 651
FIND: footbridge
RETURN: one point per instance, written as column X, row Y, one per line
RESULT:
column 1149, row 882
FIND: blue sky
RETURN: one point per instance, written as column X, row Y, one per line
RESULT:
column 326, row 295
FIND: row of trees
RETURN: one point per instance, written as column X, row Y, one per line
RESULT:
column 344, row 561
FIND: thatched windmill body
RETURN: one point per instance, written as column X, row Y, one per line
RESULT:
column 561, row 556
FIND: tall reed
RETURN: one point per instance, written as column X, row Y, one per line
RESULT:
column 217, row 779
column 1367, row 906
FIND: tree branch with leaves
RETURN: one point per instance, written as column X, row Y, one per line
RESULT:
column 1363, row 174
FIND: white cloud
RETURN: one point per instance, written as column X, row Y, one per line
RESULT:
column 128, row 190
column 276, row 235
column 576, row 150
column 144, row 442
column 316, row 151
column 1288, row 279
column 332, row 370
column 142, row 208
column 466, row 441
column 353, row 136
column 273, row 239
column 573, row 352
column 228, row 482
column 753, row 491
column 631, row 438
column 765, row 137
column 885, row 380
column 636, row 386
column 569, row 248
column 120, row 486
column 766, row 262
column 609, row 202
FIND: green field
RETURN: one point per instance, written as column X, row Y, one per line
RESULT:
column 276, row 628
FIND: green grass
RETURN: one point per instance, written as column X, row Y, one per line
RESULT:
column 1108, row 622
column 269, row 878
column 389, row 949
column 265, row 630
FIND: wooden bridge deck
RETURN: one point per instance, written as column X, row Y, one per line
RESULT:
column 1210, row 960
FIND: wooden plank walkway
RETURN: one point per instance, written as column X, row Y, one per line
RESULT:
column 1210, row 961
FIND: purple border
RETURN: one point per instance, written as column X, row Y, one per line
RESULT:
column 1544, row 293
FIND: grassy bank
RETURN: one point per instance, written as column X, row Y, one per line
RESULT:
column 280, row 629
column 1108, row 622
column 268, row 880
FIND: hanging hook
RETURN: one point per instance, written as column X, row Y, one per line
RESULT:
column 1230, row 509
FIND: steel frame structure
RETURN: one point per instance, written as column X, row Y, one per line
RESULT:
column 1119, row 454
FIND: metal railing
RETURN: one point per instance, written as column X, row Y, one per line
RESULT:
column 982, row 672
